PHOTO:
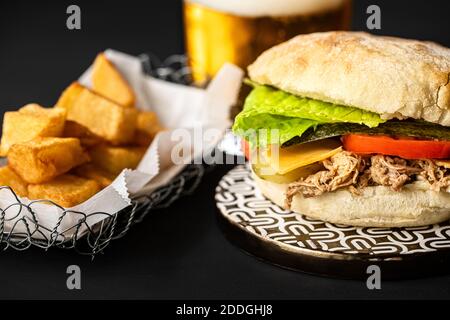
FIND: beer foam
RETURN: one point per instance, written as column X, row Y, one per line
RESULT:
column 260, row 8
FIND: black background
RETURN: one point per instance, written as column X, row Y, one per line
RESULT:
column 179, row 252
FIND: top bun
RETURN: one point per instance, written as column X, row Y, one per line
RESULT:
column 394, row 77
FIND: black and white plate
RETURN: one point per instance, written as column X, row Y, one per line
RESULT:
column 297, row 242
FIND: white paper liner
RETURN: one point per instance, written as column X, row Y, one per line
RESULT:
column 177, row 106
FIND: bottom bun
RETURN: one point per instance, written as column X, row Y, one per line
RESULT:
column 378, row 206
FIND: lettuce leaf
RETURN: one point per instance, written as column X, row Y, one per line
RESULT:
column 262, row 129
column 269, row 108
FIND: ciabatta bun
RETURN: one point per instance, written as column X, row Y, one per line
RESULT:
column 394, row 77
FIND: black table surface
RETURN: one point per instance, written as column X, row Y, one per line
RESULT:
column 178, row 252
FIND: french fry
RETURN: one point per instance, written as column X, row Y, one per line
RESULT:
column 66, row 190
column 142, row 139
column 148, row 122
column 115, row 159
column 42, row 159
column 90, row 171
column 37, row 110
column 101, row 116
column 9, row 178
column 30, row 122
column 107, row 81
column 147, row 126
column 73, row 129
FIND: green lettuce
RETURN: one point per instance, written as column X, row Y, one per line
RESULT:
column 265, row 128
column 272, row 109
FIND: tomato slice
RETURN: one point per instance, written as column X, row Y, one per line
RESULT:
column 245, row 147
column 404, row 148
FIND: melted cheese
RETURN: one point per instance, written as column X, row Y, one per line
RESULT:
column 284, row 160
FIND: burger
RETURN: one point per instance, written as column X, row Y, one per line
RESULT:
column 351, row 128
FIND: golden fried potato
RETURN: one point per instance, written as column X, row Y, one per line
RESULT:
column 147, row 126
column 148, row 122
column 73, row 129
column 9, row 178
column 115, row 159
column 107, row 81
column 66, row 190
column 42, row 159
column 103, row 117
column 30, row 122
column 142, row 139
column 35, row 109
column 90, row 171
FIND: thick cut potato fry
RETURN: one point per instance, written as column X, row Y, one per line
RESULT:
column 107, row 81
column 42, row 159
column 35, row 109
column 147, row 126
column 148, row 122
column 115, row 159
column 30, row 122
column 90, row 171
column 101, row 116
column 73, row 129
column 9, row 178
column 142, row 139
column 66, row 190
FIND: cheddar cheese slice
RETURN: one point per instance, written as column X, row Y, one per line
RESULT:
column 284, row 160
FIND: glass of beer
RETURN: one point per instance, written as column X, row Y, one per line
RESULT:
column 238, row 31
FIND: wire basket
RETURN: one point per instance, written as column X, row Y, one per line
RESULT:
column 94, row 239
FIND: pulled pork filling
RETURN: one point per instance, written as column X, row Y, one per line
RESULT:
column 352, row 171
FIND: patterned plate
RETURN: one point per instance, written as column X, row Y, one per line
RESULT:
column 297, row 242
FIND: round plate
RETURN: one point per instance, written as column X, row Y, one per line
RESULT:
column 297, row 242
